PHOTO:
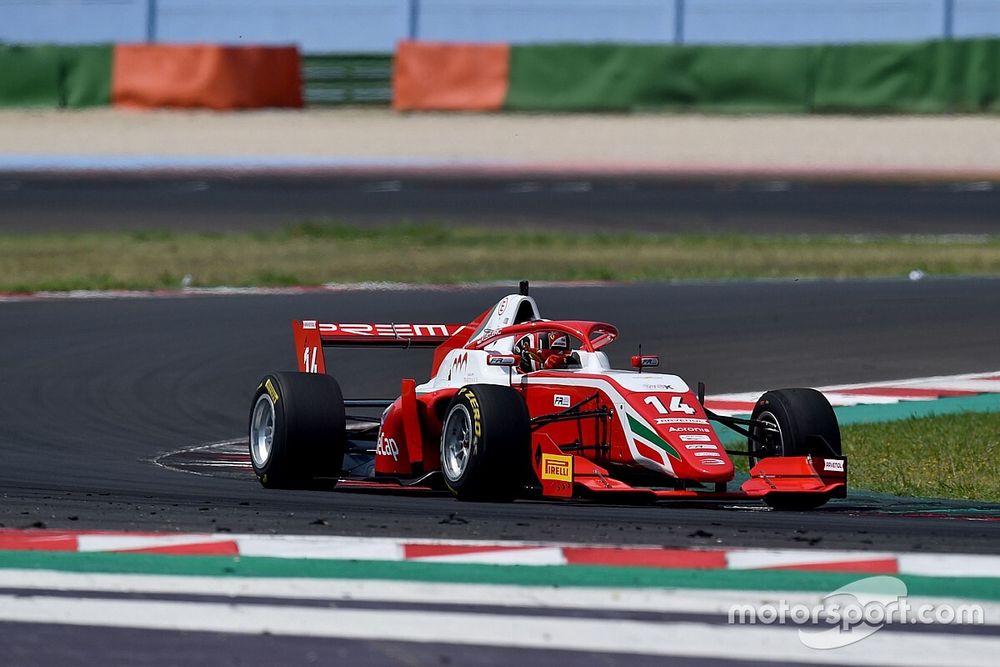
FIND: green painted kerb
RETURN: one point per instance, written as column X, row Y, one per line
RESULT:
column 647, row 433
column 980, row 588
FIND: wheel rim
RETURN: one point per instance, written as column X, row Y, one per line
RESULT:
column 262, row 431
column 769, row 437
column 456, row 443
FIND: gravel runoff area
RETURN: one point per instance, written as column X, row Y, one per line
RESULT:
column 654, row 141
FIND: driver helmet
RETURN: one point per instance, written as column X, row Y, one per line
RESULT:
column 557, row 342
column 533, row 350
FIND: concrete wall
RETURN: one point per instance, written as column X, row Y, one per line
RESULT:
column 361, row 26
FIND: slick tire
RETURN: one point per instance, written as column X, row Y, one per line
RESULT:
column 297, row 429
column 796, row 422
column 485, row 443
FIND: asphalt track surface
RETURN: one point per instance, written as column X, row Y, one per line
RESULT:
column 94, row 390
column 220, row 201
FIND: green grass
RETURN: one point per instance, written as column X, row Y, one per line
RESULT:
column 317, row 253
column 950, row 456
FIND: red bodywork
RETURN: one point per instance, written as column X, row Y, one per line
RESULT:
column 597, row 432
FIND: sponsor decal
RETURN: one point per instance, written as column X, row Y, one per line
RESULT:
column 271, row 391
column 391, row 330
column 833, row 464
column 712, row 447
column 689, row 429
column 503, row 306
column 649, row 435
column 712, row 462
column 649, row 386
column 696, row 438
column 648, row 362
column 501, row 360
column 308, row 324
column 477, row 427
column 716, row 453
column 561, row 401
column 557, row 467
column 681, row 420
column 387, row 447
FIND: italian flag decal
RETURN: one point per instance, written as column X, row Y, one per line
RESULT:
column 649, row 435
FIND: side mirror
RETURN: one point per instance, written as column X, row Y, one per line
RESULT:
column 641, row 361
column 507, row 360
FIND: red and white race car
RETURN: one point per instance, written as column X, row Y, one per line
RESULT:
column 518, row 407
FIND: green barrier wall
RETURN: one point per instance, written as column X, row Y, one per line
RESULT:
column 87, row 80
column 347, row 79
column 55, row 76
column 924, row 77
column 29, row 76
column 929, row 77
column 610, row 77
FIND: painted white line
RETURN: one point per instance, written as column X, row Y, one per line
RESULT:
column 767, row 558
column 664, row 600
column 344, row 548
column 949, row 565
column 125, row 542
column 376, row 590
column 528, row 556
column 964, row 382
column 585, row 635
column 844, row 400
column 938, row 381
column 981, row 386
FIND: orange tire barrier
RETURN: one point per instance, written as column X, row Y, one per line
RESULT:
column 205, row 76
column 450, row 77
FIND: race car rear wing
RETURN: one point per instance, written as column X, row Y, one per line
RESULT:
column 311, row 336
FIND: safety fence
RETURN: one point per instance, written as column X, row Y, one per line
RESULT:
column 921, row 77
column 944, row 76
column 362, row 79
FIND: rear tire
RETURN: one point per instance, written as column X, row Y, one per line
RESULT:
column 485, row 443
column 297, row 429
column 798, row 422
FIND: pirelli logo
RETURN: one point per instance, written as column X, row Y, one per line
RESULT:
column 558, row 467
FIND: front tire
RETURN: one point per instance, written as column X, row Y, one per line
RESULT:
column 485, row 443
column 297, row 429
column 794, row 422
